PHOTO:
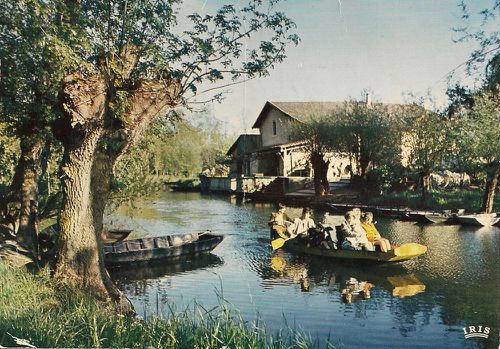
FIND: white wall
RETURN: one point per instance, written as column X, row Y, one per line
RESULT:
column 282, row 128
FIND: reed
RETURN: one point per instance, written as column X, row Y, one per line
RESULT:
column 33, row 309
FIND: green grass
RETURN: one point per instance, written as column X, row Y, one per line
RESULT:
column 33, row 309
column 441, row 199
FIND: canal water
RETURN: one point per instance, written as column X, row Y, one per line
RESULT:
column 422, row 303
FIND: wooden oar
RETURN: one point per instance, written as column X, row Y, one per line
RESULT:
column 279, row 242
column 410, row 249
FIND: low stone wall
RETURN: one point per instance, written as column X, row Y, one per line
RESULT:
column 264, row 184
column 218, row 184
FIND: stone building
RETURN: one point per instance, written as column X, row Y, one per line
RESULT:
column 272, row 153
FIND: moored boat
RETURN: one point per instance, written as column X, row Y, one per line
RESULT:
column 115, row 235
column 431, row 217
column 398, row 254
column 480, row 219
column 160, row 248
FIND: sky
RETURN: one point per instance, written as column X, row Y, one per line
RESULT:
column 388, row 47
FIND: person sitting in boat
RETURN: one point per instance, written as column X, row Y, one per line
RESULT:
column 353, row 235
column 279, row 222
column 302, row 225
column 372, row 233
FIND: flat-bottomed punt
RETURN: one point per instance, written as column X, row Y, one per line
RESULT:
column 431, row 217
column 398, row 254
column 480, row 219
column 160, row 248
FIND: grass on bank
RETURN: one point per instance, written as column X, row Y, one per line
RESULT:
column 439, row 199
column 33, row 309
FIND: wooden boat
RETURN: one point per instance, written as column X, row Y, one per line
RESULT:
column 480, row 219
column 160, row 248
column 115, row 235
column 395, row 213
column 431, row 217
column 398, row 254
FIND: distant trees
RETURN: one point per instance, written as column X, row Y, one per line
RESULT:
column 425, row 139
column 368, row 135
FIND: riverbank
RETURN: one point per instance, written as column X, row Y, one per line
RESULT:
column 438, row 200
column 34, row 310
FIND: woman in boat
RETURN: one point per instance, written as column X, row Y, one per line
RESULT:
column 302, row 225
column 354, row 236
column 279, row 222
column 372, row 233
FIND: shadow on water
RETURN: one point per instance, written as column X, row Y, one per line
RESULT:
column 158, row 269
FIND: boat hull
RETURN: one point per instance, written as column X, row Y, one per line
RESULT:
column 482, row 220
column 115, row 235
column 431, row 217
column 160, row 248
column 373, row 256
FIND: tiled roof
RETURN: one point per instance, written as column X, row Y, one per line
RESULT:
column 303, row 111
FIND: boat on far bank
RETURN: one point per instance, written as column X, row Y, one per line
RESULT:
column 432, row 217
column 160, row 248
column 479, row 219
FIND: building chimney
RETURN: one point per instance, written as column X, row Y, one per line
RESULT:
column 368, row 99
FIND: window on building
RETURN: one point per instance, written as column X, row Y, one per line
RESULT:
column 274, row 128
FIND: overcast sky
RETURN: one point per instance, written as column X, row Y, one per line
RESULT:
column 389, row 47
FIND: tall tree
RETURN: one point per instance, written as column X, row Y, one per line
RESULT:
column 475, row 112
column 137, row 64
column 476, row 141
column 31, row 67
column 425, row 141
column 314, row 134
column 370, row 134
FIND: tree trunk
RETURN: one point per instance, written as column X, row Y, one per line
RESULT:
column 425, row 184
column 320, row 167
column 30, row 171
column 101, row 174
column 491, row 185
column 79, row 260
column 364, row 165
column 94, row 138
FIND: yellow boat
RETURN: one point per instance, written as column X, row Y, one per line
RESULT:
column 398, row 254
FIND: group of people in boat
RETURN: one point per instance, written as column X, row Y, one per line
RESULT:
column 357, row 232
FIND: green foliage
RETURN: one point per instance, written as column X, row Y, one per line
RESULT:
column 369, row 135
column 438, row 199
column 49, row 316
column 475, row 132
column 36, row 51
column 380, row 178
column 425, row 138
column 486, row 34
column 176, row 150
column 9, row 154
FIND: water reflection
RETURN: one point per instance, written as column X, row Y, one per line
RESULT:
column 139, row 277
column 346, row 278
column 355, row 290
